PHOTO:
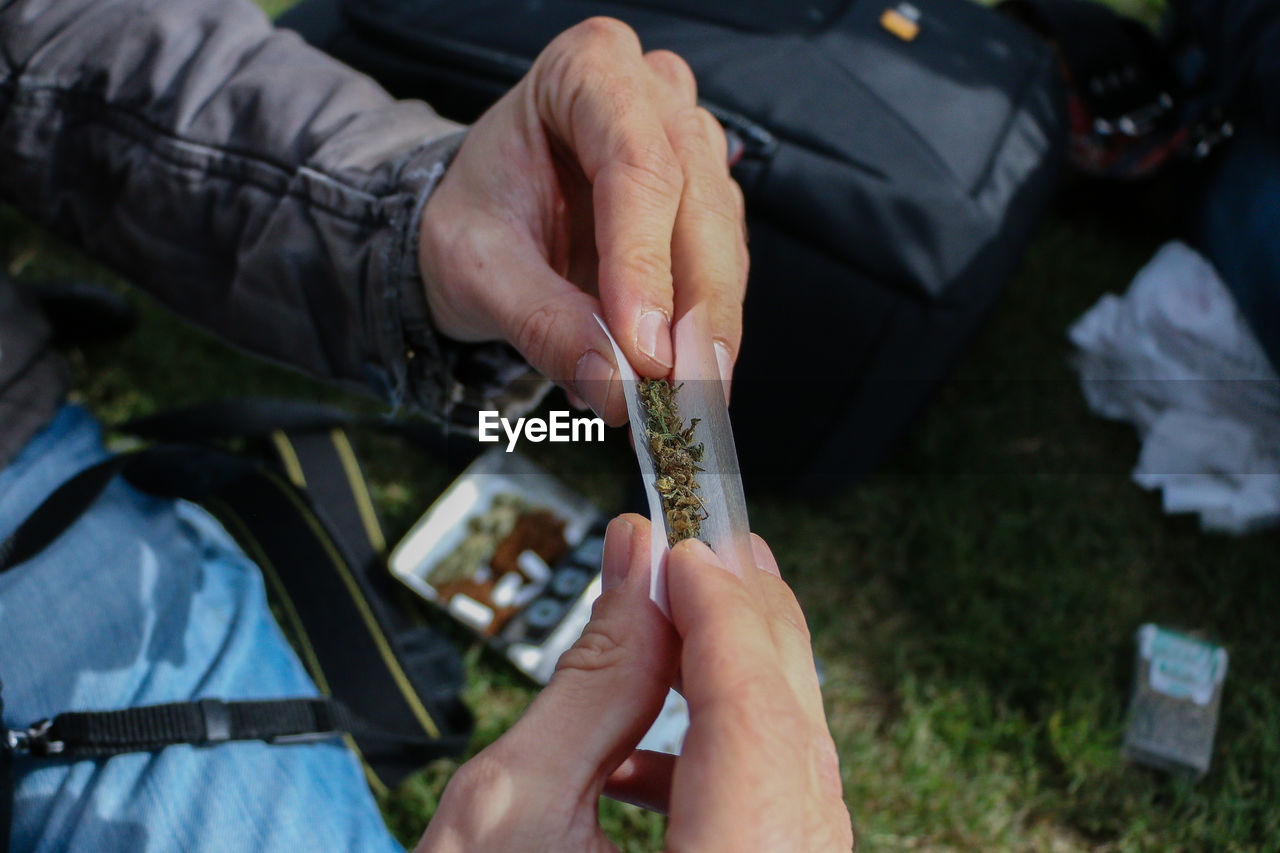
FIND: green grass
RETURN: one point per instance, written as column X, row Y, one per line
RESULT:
column 973, row 603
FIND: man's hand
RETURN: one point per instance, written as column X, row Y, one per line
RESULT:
column 596, row 185
column 759, row 771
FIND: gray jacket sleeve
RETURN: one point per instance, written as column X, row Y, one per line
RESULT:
column 252, row 184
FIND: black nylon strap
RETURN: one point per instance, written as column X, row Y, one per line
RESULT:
column 93, row 734
column 336, row 494
column 207, row 722
column 171, row 470
column 67, row 503
column 355, row 653
column 251, row 417
column 184, row 466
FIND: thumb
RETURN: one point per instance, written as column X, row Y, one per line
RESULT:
column 609, row 687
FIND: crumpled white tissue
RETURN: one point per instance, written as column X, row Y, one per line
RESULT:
column 1175, row 358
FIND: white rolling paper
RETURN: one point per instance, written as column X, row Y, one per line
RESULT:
column 725, row 528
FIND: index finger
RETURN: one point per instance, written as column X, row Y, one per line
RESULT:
column 593, row 92
column 729, row 658
column 708, row 245
column 751, row 744
column 742, row 641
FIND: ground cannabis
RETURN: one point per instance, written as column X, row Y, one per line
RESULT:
column 484, row 532
column 675, row 458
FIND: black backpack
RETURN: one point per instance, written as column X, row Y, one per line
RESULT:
column 898, row 156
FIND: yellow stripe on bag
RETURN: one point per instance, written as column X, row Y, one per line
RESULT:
column 289, row 457
column 384, row 648
column 359, row 490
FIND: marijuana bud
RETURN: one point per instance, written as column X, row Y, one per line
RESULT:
column 675, row 457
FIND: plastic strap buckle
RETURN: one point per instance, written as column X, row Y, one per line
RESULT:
column 34, row 740
column 217, row 720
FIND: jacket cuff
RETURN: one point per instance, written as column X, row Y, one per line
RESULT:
column 450, row 381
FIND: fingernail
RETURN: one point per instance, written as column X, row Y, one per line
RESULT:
column 617, row 553
column 653, row 337
column 725, row 362
column 591, row 378
column 699, row 550
column 764, row 557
